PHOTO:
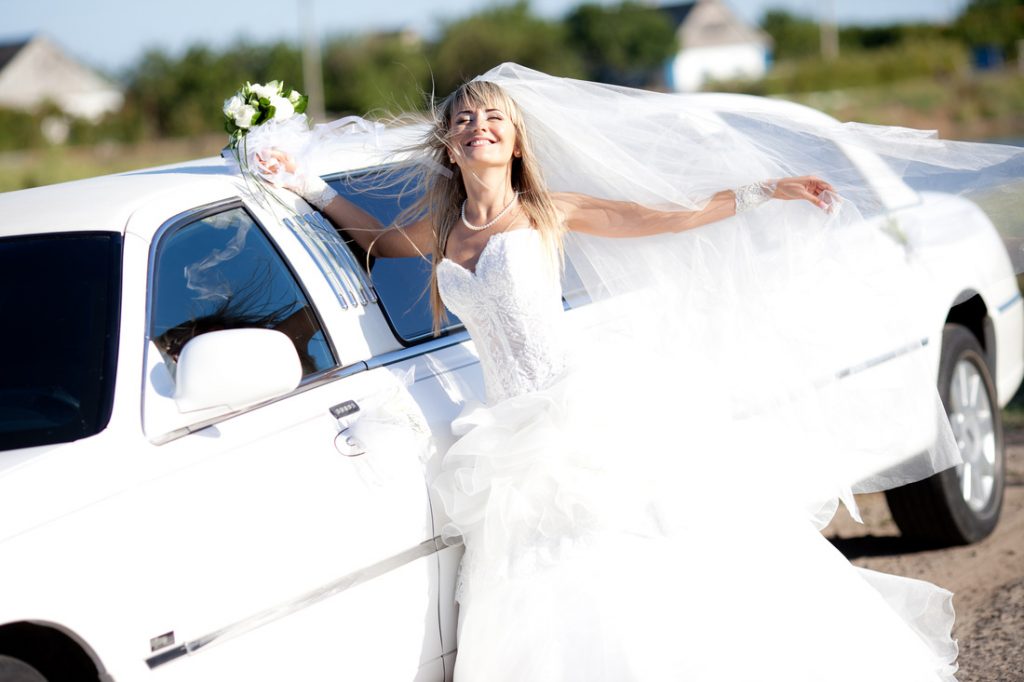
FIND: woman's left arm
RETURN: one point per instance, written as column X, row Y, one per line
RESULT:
column 609, row 218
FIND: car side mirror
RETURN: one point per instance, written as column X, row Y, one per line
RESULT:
column 235, row 368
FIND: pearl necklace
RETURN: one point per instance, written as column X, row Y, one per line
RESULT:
column 501, row 214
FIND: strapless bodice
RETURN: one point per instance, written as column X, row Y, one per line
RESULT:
column 512, row 307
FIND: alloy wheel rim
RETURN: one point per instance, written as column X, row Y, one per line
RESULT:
column 972, row 419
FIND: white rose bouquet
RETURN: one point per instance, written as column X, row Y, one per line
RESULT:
column 256, row 104
column 265, row 119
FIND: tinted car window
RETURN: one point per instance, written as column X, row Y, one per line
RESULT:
column 402, row 284
column 59, row 302
column 222, row 272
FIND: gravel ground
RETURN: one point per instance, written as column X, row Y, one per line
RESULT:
column 987, row 578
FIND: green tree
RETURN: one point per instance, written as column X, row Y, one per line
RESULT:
column 386, row 72
column 471, row 46
column 993, row 22
column 177, row 97
column 891, row 35
column 622, row 44
column 19, row 130
column 793, row 36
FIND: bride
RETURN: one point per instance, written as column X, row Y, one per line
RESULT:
column 597, row 546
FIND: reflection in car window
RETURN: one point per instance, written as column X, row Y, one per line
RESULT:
column 401, row 283
column 221, row 272
column 59, row 302
column 811, row 153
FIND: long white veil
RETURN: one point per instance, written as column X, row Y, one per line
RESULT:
column 814, row 334
column 799, row 345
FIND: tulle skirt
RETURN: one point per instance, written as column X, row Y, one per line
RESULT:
column 612, row 535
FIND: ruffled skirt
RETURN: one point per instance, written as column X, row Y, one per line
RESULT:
column 615, row 536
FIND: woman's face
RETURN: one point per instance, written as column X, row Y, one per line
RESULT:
column 482, row 135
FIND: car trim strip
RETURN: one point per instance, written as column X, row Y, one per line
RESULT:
column 335, row 248
column 362, row 575
column 1009, row 304
column 319, row 254
column 365, row 287
column 441, row 342
column 885, row 357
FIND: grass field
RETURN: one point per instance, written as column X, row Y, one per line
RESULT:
column 19, row 170
column 976, row 107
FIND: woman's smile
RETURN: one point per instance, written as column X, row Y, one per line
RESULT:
column 486, row 129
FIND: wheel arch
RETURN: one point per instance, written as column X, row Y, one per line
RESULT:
column 970, row 311
column 57, row 652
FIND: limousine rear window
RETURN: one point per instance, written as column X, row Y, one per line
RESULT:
column 59, row 302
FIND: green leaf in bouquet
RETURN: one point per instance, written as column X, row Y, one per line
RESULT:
column 301, row 104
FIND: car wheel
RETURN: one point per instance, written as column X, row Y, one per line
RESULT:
column 960, row 505
column 13, row 670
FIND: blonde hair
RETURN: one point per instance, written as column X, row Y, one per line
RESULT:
column 441, row 194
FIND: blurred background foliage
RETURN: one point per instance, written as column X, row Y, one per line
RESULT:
column 911, row 74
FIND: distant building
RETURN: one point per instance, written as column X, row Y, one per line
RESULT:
column 36, row 71
column 714, row 44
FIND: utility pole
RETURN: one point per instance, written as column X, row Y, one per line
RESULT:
column 829, row 33
column 312, row 72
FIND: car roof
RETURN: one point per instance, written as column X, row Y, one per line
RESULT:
column 107, row 202
column 102, row 203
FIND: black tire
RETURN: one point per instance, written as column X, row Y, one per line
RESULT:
column 934, row 510
column 13, row 670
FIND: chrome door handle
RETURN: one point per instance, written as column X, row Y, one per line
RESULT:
column 349, row 445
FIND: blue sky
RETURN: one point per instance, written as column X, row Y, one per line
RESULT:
column 111, row 34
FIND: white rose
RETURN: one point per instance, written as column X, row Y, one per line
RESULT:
column 232, row 105
column 283, row 109
column 294, row 96
column 264, row 91
column 244, row 116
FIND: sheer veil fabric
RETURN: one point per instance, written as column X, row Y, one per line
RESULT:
column 654, row 515
column 761, row 314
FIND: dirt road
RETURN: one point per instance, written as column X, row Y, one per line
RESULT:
column 987, row 579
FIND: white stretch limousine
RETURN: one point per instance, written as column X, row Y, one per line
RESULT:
column 181, row 495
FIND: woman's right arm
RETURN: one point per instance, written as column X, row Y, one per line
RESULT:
column 376, row 239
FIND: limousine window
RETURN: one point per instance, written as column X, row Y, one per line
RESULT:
column 222, row 272
column 59, row 302
column 402, row 284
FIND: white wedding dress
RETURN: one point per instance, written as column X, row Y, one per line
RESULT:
column 617, row 534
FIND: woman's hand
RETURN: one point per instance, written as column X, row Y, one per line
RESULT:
column 279, row 168
column 273, row 161
column 808, row 188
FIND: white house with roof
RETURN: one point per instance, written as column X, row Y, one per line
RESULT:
column 34, row 71
column 714, row 44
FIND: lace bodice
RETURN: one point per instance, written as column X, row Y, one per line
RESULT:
column 512, row 307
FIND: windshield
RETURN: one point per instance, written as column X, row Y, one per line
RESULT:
column 59, row 302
